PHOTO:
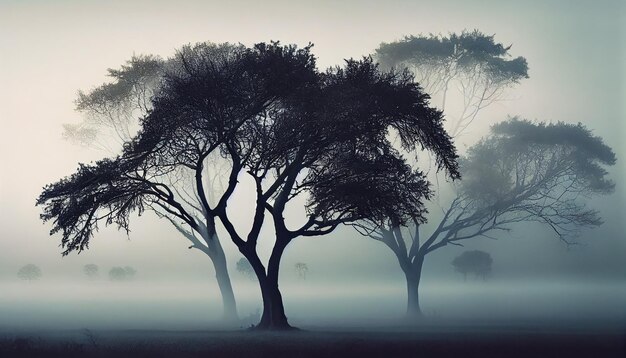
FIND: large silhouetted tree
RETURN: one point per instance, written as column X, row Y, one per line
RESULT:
column 470, row 62
column 163, row 167
column 288, row 128
column 332, row 146
column 523, row 172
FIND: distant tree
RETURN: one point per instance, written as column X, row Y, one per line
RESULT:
column 91, row 270
column 244, row 268
column 523, row 172
column 470, row 62
column 476, row 262
column 29, row 272
column 130, row 272
column 301, row 269
column 117, row 274
column 122, row 273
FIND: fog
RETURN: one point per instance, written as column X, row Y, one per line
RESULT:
column 576, row 53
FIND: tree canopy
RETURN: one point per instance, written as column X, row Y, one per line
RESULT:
column 472, row 62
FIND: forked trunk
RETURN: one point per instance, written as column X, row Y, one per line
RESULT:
column 273, row 317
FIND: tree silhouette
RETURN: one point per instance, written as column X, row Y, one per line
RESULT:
column 476, row 261
column 302, row 269
column 29, row 272
column 244, row 267
column 283, row 125
column 178, row 188
column 523, row 172
column 112, row 115
column 91, row 270
column 471, row 62
column 122, row 273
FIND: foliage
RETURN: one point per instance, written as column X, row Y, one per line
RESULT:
column 476, row 262
column 112, row 108
column 473, row 62
column 29, row 272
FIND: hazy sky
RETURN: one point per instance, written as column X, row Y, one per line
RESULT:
column 576, row 52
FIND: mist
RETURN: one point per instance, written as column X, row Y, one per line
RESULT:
column 51, row 50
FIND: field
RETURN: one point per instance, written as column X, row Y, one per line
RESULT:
column 473, row 319
column 425, row 341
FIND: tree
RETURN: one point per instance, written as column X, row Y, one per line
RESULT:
column 91, row 270
column 332, row 146
column 173, row 148
column 112, row 115
column 523, row 172
column 471, row 62
column 244, row 267
column 112, row 110
column 283, row 125
column 301, row 269
column 476, row 261
column 130, row 272
column 29, row 272
column 175, row 188
column 122, row 273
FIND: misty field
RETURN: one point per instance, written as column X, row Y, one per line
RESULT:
column 194, row 305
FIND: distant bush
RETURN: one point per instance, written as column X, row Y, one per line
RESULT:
column 476, row 262
column 91, row 270
column 122, row 273
column 244, row 268
column 29, row 272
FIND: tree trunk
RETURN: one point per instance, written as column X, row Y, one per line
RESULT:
column 216, row 253
column 413, row 277
column 226, row 289
column 273, row 317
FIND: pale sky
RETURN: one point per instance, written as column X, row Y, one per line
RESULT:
column 576, row 52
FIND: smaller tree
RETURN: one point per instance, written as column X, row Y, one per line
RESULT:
column 122, row 273
column 29, row 272
column 476, row 261
column 130, row 272
column 244, row 268
column 91, row 270
column 301, row 269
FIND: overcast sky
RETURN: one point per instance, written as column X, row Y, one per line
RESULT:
column 576, row 52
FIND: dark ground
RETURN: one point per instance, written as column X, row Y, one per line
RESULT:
column 431, row 341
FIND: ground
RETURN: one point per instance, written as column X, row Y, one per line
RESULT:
column 424, row 341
